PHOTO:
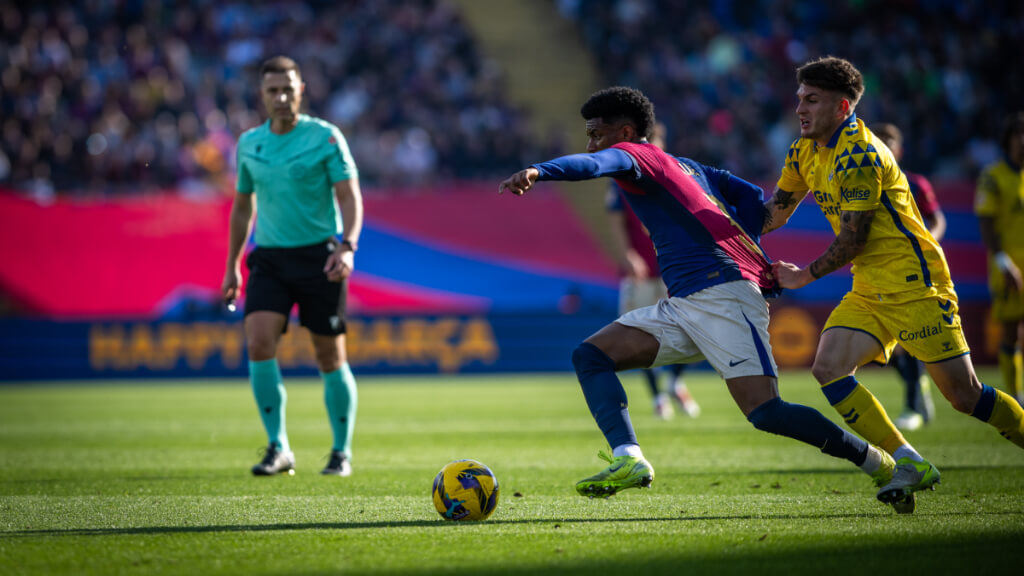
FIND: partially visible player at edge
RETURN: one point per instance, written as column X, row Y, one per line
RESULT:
column 301, row 172
column 918, row 407
column 999, row 204
column 902, row 289
column 705, row 224
column 641, row 285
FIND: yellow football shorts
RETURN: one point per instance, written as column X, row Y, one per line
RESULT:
column 925, row 322
column 1007, row 306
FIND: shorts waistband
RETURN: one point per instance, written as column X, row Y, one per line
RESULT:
column 317, row 245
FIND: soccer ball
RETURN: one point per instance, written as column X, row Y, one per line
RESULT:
column 465, row 490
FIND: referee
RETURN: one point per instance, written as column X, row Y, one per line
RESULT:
column 301, row 172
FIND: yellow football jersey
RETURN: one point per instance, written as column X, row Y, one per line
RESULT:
column 856, row 172
column 1001, row 196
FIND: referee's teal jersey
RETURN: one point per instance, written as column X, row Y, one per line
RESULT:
column 293, row 177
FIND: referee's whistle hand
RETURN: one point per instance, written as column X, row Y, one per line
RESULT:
column 229, row 287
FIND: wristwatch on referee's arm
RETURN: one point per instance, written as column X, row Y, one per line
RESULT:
column 348, row 244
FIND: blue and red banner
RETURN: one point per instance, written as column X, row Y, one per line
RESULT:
column 451, row 280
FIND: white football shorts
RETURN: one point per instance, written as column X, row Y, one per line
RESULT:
column 726, row 324
column 634, row 293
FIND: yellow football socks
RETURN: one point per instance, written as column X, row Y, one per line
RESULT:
column 1010, row 366
column 1002, row 412
column 862, row 411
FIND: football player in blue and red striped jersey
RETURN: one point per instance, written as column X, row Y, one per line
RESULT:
column 705, row 224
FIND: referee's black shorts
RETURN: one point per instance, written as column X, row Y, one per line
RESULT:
column 279, row 278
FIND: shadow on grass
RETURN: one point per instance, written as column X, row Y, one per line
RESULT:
column 973, row 554
column 841, row 471
column 442, row 525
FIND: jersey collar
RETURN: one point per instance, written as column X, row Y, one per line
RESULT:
column 850, row 122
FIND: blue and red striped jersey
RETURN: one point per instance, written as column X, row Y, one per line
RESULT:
column 705, row 223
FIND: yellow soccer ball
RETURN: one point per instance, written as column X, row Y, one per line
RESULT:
column 465, row 490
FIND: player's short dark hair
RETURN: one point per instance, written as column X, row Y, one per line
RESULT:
column 833, row 74
column 279, row 65
column 888, row 133
column 1012, row 124
column 620, row 103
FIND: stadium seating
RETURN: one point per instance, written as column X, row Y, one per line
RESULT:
column 721, row 74
column 108, row 97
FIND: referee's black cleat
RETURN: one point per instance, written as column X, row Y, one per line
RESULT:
column 337, row 465
column 275, row 461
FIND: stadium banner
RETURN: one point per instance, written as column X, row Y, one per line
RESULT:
column 32, row 350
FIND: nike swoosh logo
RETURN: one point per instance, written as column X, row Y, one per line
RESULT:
column 731, row 363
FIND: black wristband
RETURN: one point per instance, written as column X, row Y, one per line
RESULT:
column 351, row 246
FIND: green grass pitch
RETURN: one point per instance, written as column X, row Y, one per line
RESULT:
column 153, row 478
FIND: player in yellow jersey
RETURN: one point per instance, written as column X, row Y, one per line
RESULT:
column 999, row 205
column 902, row 290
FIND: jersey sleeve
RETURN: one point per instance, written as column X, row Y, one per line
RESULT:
column 858, row 175
column 243, row 181
column 340, row 165
column 576, row 167
column 792, row 179
column 746, row 198
column 986, row 198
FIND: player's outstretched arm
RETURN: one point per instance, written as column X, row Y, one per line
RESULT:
column 573, row 168
column 853, row 236
column 779, row 208
column 519, row 182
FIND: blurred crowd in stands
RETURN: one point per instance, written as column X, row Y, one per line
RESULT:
column 722, row 73
column 129, row 95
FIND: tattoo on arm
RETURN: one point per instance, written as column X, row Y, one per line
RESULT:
column 853, row 236
column 767, row 226
column 778, row 209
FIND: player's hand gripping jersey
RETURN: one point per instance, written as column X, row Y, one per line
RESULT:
column 856, row 172
column 705, row 223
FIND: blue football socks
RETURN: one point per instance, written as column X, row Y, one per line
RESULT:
column 651, row 377
column 810, row 426
column 604, row 394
